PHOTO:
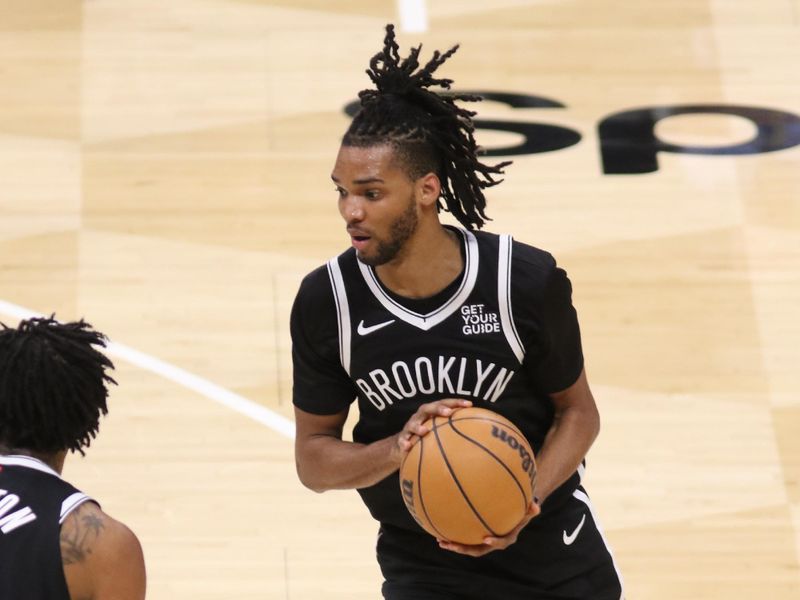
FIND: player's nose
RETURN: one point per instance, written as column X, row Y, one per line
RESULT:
column 353, row 211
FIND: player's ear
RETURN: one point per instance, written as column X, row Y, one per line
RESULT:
column 428, row 189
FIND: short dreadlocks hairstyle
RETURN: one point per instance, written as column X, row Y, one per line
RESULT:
column 427, row 130
column 53, row 385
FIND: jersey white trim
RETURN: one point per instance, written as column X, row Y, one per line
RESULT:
column 580, row 495
column 28, row 462
column 342, row 312
column 71, row 503
column 433, row 318
column 504, row 297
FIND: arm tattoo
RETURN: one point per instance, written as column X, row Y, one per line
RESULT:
column 78, row 534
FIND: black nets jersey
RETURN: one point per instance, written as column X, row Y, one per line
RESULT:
column 503, row 335
column 34, row 502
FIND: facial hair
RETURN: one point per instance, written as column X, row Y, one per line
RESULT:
column 401, row 230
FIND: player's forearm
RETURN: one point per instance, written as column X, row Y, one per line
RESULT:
column 567, row 443
column 328, row 463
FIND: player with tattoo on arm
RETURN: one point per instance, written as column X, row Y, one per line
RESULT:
column 55, row 542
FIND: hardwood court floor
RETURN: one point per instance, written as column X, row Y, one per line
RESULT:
column 164, row 172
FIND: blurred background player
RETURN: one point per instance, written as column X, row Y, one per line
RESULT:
column 55, row 542
column 416, row 313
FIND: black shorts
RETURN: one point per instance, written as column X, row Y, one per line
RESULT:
column 560, row 555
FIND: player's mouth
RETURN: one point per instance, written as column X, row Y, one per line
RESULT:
column 359, row 239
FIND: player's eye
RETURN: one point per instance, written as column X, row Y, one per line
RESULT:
column 372, row 194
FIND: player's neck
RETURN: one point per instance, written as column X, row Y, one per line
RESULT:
column 53, row 460
column 427, row 264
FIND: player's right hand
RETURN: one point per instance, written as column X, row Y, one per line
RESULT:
column 490, row 543
column 418, row 424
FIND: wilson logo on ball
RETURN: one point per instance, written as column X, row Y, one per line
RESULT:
column 513, row 443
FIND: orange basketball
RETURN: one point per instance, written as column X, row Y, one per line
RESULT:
column 471, row 476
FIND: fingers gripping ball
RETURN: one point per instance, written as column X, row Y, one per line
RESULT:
column 470, row 477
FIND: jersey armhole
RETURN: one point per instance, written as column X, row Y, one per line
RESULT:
column 504, row 297
column 342, row 312
column 71, row 503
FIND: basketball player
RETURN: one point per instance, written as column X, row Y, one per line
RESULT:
column 55, row 542
column 418, row 319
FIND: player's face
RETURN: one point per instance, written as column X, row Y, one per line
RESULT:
column 376, row 200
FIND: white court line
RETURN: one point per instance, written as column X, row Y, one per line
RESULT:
column 413, row 16
column 212, row 391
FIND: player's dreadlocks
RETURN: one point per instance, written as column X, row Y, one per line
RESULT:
column 428, row 131
column 52, row 385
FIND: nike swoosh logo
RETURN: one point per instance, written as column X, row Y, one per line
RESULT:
column 367, row 330
column 568, row 539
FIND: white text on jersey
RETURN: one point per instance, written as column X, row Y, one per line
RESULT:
column 476, row 320
column 445, row 375
column 9, row 522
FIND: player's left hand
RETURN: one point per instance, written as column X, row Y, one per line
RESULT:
column 490, row 544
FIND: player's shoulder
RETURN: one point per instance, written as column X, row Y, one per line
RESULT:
column 533, row 257
column 100, row 553
column 317, row 284
column 88, row 524
column 314, row 307
column 532, row 269
column 521, row 251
